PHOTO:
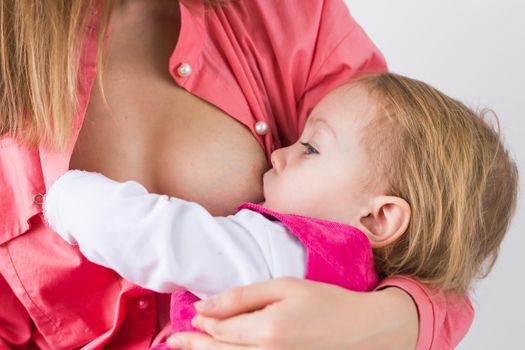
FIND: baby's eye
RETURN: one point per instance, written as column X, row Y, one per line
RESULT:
column 309, row 148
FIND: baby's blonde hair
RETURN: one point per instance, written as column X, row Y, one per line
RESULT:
column 450, row 165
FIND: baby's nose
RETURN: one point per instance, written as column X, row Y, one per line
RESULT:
column 277, row 160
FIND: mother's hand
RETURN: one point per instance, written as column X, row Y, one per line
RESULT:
column 289, row 313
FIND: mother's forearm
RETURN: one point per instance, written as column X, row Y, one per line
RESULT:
column 302, row 314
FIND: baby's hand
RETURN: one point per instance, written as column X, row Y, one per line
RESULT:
column 63, row 202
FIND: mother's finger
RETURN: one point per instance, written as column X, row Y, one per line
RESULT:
column 249, row 329
column 198, row 341
column 248, row 298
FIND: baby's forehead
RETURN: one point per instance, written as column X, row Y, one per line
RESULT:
column 347, row 114
column 350, row 95
column 350, row 102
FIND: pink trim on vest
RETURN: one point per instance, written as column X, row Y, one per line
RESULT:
column 337, row 253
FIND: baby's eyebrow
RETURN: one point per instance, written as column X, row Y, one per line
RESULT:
column 326, row 125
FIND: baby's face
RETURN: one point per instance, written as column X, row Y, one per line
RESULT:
column 327, row 173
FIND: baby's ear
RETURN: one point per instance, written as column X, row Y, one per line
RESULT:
column 385, row 219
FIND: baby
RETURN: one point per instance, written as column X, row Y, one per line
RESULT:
column 388, row 172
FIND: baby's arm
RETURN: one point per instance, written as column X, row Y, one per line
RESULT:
column 164, row 243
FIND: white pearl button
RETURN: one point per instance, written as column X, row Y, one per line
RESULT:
column 261, row 128
column 184, row 69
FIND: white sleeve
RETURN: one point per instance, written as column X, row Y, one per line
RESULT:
column 164, row 243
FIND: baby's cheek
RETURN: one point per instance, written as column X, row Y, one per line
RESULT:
column 282, row 201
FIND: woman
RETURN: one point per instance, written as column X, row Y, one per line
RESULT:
column 192, row 100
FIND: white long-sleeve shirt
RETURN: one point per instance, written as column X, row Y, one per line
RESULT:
column 164, row 243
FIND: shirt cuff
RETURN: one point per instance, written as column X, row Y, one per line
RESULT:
column 425, row 307
column 52, row 203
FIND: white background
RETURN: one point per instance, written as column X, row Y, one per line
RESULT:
column 474, row 51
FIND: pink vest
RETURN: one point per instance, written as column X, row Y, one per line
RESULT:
column 336, row 253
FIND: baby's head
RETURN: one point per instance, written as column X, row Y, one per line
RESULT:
column 425, row 177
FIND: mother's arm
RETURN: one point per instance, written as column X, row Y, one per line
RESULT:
column 299, row 314
column 295, row 314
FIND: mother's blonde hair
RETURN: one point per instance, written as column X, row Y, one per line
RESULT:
column 450, row 165
column 40, row 44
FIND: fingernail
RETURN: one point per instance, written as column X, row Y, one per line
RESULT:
column 195, row 321
column 174, row 342
column 199, row 305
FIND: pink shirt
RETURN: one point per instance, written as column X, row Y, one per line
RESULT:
column 258, row 60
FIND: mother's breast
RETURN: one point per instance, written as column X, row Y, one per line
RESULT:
column 205, row 156
column 173, row 143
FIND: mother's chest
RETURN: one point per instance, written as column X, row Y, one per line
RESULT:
column 159, row 134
